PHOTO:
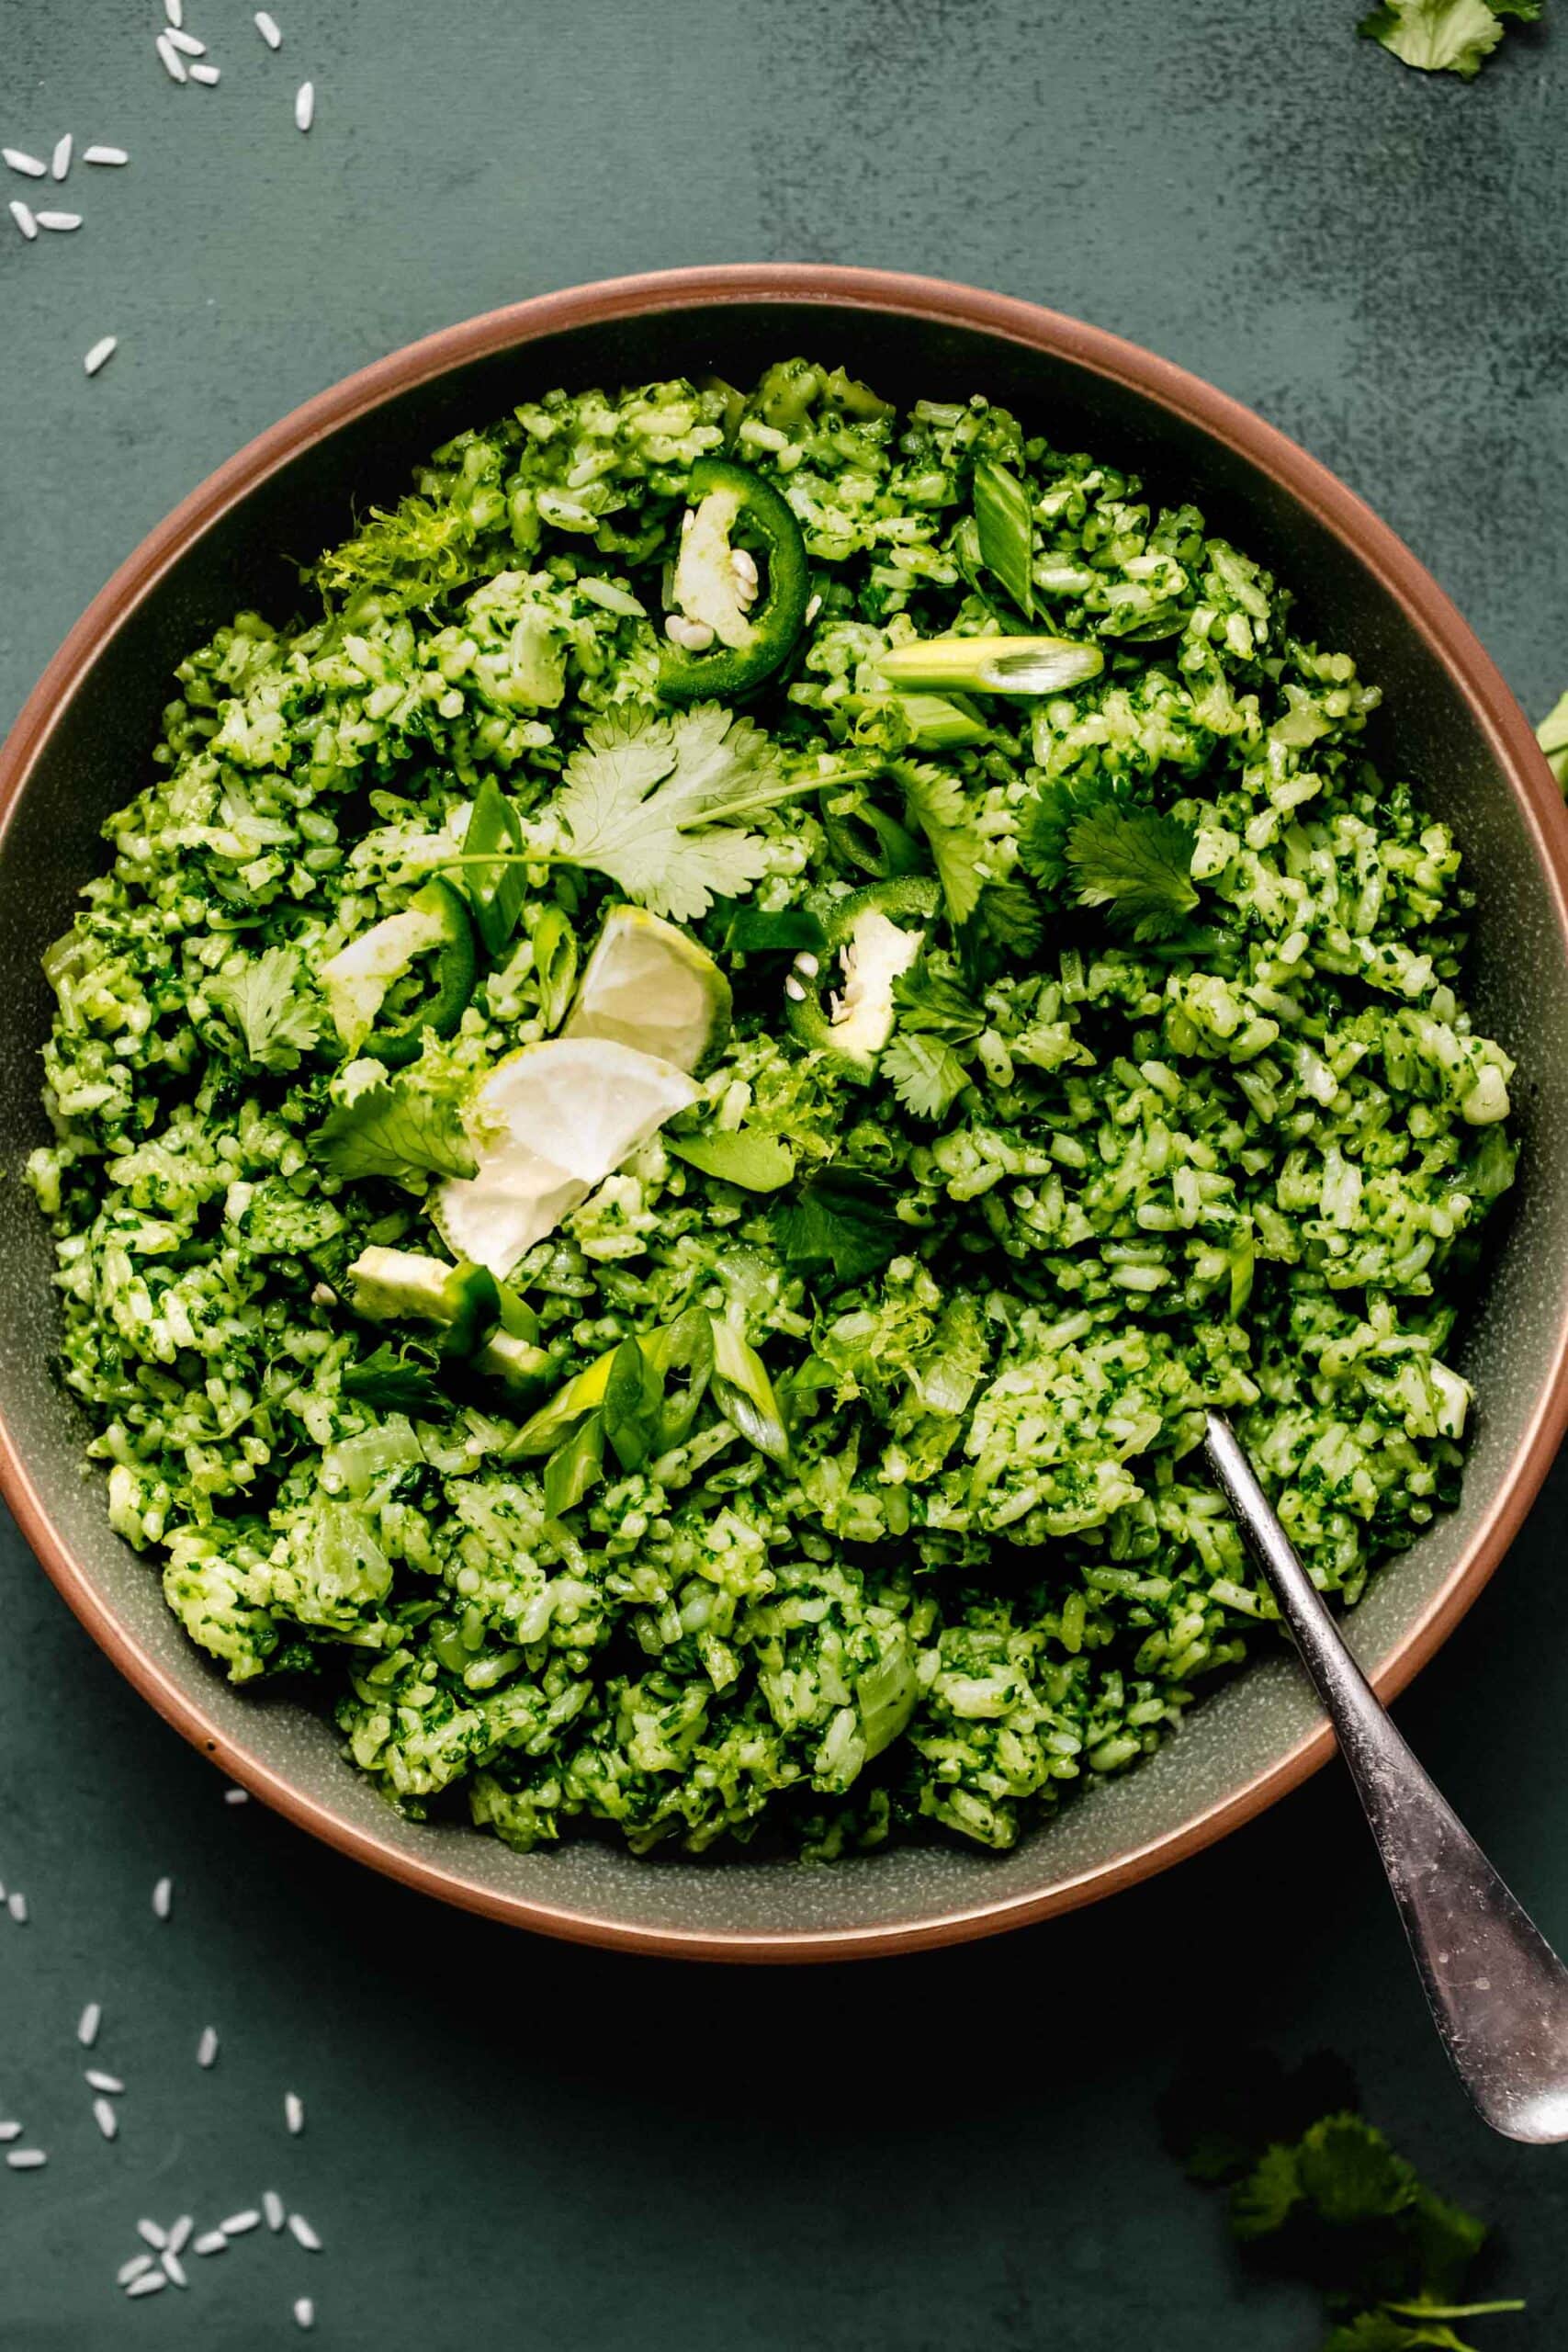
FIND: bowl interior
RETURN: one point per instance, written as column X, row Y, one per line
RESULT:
column 94, row 755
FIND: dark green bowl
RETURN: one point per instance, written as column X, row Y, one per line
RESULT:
column 85, row 738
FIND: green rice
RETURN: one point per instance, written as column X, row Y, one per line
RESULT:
column 1242, row 1162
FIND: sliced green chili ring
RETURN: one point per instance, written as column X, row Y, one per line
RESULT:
column 555, row 965
column 751, row 930
column 723, row 498
column 495, row 892
column 456, row 969
column 475, row 1309
column 909, row 900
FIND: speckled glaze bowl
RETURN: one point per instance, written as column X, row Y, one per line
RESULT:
column 85, row 735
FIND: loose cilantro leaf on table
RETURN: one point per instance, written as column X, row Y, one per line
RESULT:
column 839, row 1217
column 1443, row 36
column 392, row 1382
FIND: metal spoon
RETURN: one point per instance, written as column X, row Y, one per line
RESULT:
column 1498, row 1992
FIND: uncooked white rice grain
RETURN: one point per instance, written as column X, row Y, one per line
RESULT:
column 206, row 2048
column 105, row 155
column 304, row 2233
column 187, row 43
column 267, row 25
column 58, row 221
column 208, row 75
column 151, row 2282
column 26, row 2159
column 104, row 2117
column 151, row 2234
column 272, row 2206
column 163, row 1898
column 21, row 161
column 9, row 2130
column 87, row 2024
column 135, row 2268
column 294, row 2112
column 102, row 2082
column 236, row 1796
column 17, row 1902
column 179, row 2233
column 174, row 11
column 173, row 2268
column 60, row 163
column 238, row 2224
column 304, row 2313
column 102, row 350
column 210, row 2242
column 173, row 64
column 305, row 105
column 23, row 219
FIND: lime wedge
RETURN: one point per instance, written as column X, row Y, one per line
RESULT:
column 650, row 987
column 549, row 1124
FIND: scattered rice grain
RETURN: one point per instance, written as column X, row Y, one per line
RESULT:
column 21, row 161
column 173, row 2269
column 236, row 1796
column 210, row 2242
column 180, row 2232
column 106, row 2118
column 26, row 2159
column 102, row 351
column 304, row 2233
column 9, row 2130
column 22, row 215
column 272, row 2206
column 135, row 2268
column 304, row 2313
column 60, row 161
column 187, row 43
column 163, row 1898
column 238, row 2224
column 87, row 2024
column 102, row 2082
column 294, row 2112
column 206, row 2048
column 106, row 155
column 208, row 75
column 152, row 2234
column 305, row 105
column 175, row 13
column 151, row 2282
column 173, row 64
column 267, row 25
column 60, row 219
column 17, row 1902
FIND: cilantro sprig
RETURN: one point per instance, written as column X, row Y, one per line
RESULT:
column 1087, row 841
column 1329, row 2201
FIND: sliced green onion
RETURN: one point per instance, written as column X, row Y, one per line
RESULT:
column 583, row 1393
column 575, row 1467
column 937, row 724
column 684, row 1355
column 631, row 1400
column 496, row 891
column 744, row 1394
column 996, row 665
column 1007, row 531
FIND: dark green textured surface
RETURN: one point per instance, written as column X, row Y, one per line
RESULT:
column 513, row 2143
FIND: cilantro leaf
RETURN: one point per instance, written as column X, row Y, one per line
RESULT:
column 753, row 1158
column 1264, row 2199
column 924, row 1000
column 652, row 802
column 1050, row 816
column 935, row 800
column 392, row 1382
column 263, row 1004
column 1008, row 916
column 1349, row 2172
column 839, row 1217
column 385, row 1127
column 1138, row 865
column 926, row 1075
column 1436, row 36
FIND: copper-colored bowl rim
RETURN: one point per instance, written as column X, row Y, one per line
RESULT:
column 1380, row 552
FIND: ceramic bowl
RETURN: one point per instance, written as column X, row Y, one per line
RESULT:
column 85, row 735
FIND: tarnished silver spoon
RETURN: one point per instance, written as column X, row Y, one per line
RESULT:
column 1498, row 1992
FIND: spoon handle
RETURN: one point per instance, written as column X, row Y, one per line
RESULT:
column 1498, row 1992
